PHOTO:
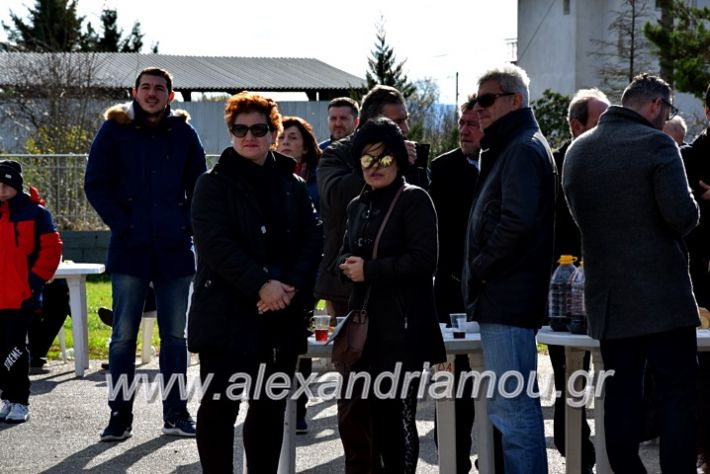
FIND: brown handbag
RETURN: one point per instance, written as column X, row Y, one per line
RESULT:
column 350, row 341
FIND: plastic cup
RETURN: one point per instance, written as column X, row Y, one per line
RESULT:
column 457, row 322
column 319, row 325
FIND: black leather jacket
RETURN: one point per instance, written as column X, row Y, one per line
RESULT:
column 509, row 243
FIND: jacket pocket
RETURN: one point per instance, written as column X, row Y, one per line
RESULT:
column 489, row 218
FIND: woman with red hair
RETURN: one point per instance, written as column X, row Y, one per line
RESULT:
column 258, row 243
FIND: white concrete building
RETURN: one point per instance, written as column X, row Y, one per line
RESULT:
column 557, row 40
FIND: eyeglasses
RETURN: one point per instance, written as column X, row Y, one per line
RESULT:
column 257, row 130
column 673, row 109
column 486, row 100
column 384, row 160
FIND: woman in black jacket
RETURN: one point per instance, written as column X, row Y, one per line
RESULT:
column 398, row 285
column 258, row 244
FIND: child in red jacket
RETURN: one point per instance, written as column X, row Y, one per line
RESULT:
column 30, row 250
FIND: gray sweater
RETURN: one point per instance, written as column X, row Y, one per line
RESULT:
column 627, row 191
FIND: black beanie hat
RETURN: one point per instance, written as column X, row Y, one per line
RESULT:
column 11, row 174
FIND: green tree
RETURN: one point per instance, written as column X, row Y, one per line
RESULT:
column 384, row 68
column 551, row 114
column 429, row 121
column 682, row 43
column 52, row 26
column 111, row 39
column 627, row 52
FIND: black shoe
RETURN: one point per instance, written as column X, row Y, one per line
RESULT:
column 37, row 362
column 106, row 316
column 119, row 427
column 180, row 426
column 104, row 365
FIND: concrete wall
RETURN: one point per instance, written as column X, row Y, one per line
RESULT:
column 85, row 246
column 557, row 49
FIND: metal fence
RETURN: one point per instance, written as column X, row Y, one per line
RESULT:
column 60, row 181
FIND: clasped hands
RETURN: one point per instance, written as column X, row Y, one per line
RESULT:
column 275, row 295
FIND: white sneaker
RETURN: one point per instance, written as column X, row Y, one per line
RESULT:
column 5, row 409
column 19, row 413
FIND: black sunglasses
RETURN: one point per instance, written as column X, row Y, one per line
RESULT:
column 385, row 160
column 486, row 100
column 258, row 130
column 673, row 109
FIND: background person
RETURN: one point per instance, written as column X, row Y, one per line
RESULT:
column 676, row 128
column 453, row 185
column 696, row 157
column 298, row 141
column 398, row 284
column 258, row 244
column 343, row 119
column 30, row 250
column 627, row 191
column 583, row 113
column 142, row 169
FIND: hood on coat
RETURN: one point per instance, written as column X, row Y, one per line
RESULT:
column 124, row 114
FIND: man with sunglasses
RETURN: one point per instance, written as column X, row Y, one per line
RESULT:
column 508, row 251
column 142, row 169
column 627, row 190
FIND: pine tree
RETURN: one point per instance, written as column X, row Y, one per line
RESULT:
column 384, row 68
column 52, row 26
column 682, row 42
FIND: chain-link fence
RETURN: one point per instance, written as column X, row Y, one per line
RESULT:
column 60, row 181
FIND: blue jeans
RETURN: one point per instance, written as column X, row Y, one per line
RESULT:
column 171, row 296
column 518, row 418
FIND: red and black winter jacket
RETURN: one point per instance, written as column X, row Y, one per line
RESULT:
column 30, row 249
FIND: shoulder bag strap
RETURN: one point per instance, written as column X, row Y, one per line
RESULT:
column 379, row 235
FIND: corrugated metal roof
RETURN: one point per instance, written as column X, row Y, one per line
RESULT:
column 199, row 73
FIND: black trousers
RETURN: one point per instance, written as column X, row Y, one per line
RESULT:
column 379, row 434
column 14, row 356
column 671, row 357
column 47, row 323
column 557, row 357
column 219, row 407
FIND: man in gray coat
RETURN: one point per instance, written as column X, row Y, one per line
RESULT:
column 628, row 193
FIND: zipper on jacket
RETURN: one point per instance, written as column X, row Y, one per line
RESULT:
column 17, row 234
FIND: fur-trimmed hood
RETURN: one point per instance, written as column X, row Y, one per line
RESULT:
column 125, row 113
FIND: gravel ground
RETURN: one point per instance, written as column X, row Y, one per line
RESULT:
column 68, row 413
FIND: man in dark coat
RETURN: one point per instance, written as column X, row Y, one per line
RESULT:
column 583, row 113
column 508, row 254
column 696, row 157
column 142, row 169
column 626, row 188
column 453, row 183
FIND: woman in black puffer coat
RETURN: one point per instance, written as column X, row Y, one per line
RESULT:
column 258, row 246
column 403, row 327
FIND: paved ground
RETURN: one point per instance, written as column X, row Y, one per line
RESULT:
column 67, row 414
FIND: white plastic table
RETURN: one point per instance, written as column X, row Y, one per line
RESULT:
column 445, row 411
column 75, row 275
column 575, row 345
